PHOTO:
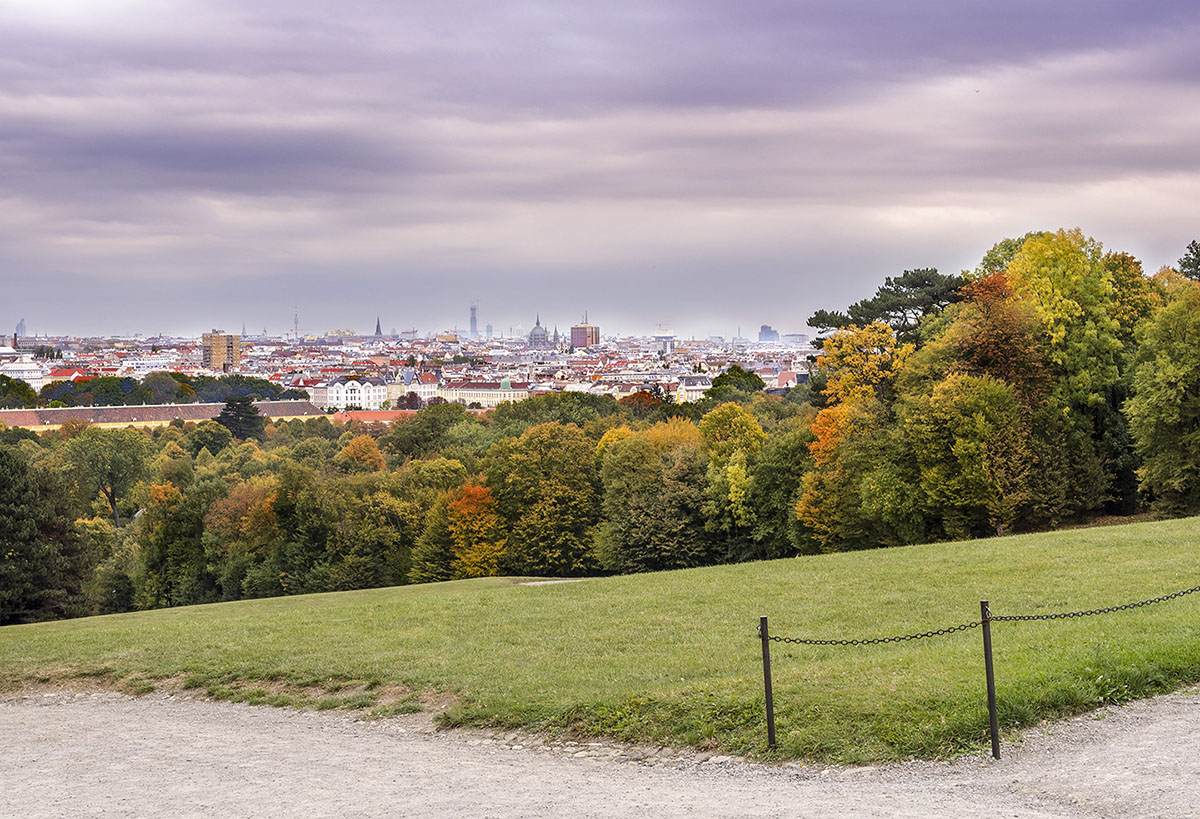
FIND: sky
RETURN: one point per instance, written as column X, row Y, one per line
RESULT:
column 170, row 166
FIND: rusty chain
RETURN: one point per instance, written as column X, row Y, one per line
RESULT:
column 874, row 641
column 992, row 617
column 1067, row 614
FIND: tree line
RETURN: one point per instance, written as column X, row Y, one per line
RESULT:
column 1053, row 384
column 154, row 388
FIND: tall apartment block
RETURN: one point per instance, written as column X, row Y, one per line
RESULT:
column 585, row 335
column 222, row 351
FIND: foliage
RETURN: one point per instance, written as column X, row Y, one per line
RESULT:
column 544, row 483
column 733, row 381
column 972, row 408
column 970, row 444
column 652, row 508
column 42, row 560
column 208, row 435
column 360, row 454
column 1164, row 410
column 107, row 461
column 15, row 393
column 242, row 418
column 861, row 362
column 1189, row 263
column 900, row 303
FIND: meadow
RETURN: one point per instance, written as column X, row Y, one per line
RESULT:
column 673, row 657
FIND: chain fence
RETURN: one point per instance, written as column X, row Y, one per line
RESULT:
column 984, row 623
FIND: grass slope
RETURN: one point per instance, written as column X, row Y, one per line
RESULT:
column 673, row 657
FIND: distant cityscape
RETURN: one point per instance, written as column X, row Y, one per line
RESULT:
column 341, row 369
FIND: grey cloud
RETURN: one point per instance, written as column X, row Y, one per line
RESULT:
column 572, row 151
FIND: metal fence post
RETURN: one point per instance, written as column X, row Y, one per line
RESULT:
column 985, row 621
column 766, row 651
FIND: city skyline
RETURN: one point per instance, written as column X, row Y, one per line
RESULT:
column 175, row 167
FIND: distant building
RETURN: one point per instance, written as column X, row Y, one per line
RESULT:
column 222, row 351
column 768, row 335
column 799, row 339
column 539, row 337
column 489, row 331
column 378, row 328
column 585, row 335
column 363, row 391
column 27, row 370
column 474, row 321
column 485, row 393
column 21, row 328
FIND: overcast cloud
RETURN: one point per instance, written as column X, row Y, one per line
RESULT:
column 169, row 166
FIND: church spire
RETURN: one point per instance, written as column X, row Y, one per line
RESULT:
column 378, row 329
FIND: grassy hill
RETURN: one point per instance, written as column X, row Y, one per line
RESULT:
column 673, row 657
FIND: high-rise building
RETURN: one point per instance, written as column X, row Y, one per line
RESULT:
column 585, row 335
column 768, row 335
column 21, row 328
column 489, row 329
column 222, row 351
column 474, row 318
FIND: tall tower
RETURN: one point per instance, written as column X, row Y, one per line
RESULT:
column 378, row 329
column 474, row 317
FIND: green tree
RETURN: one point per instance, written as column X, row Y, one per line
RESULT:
column 433, row 558
column 208, row 435
column 1189, row 264
column 1164, row 410
column 544, row 483
column 108, row 461
column 42, row 562
column 162, row 388
column 242, row 418
column 1001, row 255
column 426, row 432
column 901, row 303
column 774, row 490
column 652, row 508
column 16, row 394
column 970, row 442
column 733, row 381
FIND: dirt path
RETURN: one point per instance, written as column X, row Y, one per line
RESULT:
column 65, row 754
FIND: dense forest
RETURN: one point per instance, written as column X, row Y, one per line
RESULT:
column 1053, row 384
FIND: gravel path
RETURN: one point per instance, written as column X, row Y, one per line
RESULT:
column 104, row 754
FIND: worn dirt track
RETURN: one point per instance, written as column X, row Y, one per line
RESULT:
column 103, row 754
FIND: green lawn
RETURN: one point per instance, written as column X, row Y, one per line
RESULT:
column 673, row 657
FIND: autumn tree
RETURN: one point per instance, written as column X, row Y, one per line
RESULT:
column 360, row 454
column 477, row 533
column 1135, row 296
column 1064, row 276
column 860, row 362
column 859, row 493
